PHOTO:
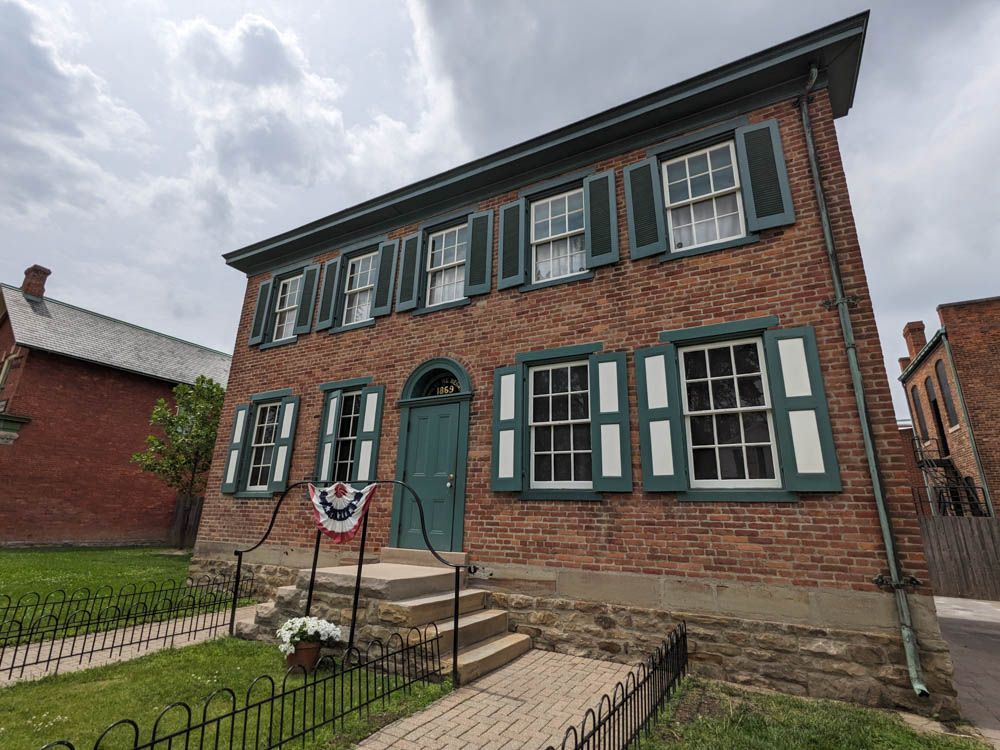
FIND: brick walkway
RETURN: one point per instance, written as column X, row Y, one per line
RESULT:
column 113, row 655
column 972, row 629
column 526, row 704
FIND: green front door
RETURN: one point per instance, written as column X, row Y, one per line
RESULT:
column 430, row 468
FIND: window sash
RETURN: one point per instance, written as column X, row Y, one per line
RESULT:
column 266, row 417
column 551, row 239
column 345, row 444
column 712, row 195
column 552, row 423
column 358, row 296
column 285, row 307
column 435, row 272
column 743, row 444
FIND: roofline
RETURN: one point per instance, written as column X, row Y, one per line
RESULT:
column 922, row 355
column 746, row 76
column 108, row 365
column 116, row 320
column 968, row 302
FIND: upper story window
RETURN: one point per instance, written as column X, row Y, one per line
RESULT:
column 359, row 287
column 557, row 237
column 703, row 197
column 949, row 404
column 728, row 416
column 262, row 442
column 286, row 307
column 446, row 265
column 919, row 413
column 559, row 419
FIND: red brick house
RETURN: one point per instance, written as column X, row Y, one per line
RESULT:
column 954, row 398
column 76, row 392
column 631, row 365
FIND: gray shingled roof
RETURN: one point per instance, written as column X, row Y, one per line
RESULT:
column 64, row 329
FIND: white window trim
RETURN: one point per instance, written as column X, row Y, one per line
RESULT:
column 261, row 408
column 735, row 484
column 736, row 188
column 348, row 293
column 431, row 270
column 554, row 484
column 552, row 238
column 289, row 308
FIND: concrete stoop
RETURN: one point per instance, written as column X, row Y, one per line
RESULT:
column 404, row 589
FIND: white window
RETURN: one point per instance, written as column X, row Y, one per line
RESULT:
column 559, row 418
column 446, row 265
column 727, row 413
column 359, row 288
column 262, row 446
column 557, row 241
column 347, row 433
column 285, row 308
column 704, row 204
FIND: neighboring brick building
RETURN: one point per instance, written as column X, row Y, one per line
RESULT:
column 76, row 392
column 537, row 404
column 953, row 392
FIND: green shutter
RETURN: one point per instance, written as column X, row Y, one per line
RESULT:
column 231, row 468
column 479, row 262
column 506, row 469
column 767, row 199
column 611, row 456
column 385, row 279
column 328, row 295
column 260, row 313
column 801, row 417
column 369, row 428
column 644, row 205
column 328, row 425
column 510, row 268
column 307, row 300
column 409, row 276
column 281, row 459
column 601, row 235
column 661, row 419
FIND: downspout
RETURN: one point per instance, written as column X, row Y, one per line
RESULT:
column 968, row 425
column 842, row 303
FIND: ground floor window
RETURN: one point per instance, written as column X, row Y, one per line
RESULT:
column 559, row 420
column 347, row 434
column 262, row 446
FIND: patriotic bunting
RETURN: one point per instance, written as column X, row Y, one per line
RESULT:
column 339, row 509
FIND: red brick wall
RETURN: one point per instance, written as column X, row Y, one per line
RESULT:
column 973, row 330
column 826, row 539
column 68, row 478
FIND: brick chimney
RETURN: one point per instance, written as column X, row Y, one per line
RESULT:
column 34, row 280
column 904, row 362
column 913, row 332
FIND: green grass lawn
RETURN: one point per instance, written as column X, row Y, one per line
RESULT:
column 69, row 568
column 78, row 706
column 713, row 716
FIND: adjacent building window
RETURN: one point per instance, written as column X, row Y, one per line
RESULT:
column 949, row 404
column 446, row 265
column 703, row 198
column 559, row 420
column 919, row 412
column 262, row 446
column 359, row 288
column 727, row 414
column 347, row 434
column 287, row 305
column 557, row 237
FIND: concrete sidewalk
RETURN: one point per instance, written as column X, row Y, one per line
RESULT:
column 972, row 629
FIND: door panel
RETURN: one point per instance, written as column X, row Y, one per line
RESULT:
column 429, row 466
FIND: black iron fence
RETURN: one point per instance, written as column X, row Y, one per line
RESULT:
column 39, row 633
column 301, row 708
column 624, row 719
column 952, row 499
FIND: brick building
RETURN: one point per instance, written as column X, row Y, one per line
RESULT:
column 954, row 398
column 76, row 392
column 647, row 408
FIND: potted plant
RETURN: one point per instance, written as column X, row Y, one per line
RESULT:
column 300, row 639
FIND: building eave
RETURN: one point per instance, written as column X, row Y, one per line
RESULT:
column 835, row 49
column 922, row 355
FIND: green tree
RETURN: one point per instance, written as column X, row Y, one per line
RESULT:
column 182, row 455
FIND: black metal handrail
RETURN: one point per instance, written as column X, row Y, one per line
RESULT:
column 950, row 499
column 457, row 567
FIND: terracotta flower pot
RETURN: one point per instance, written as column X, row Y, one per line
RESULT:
column 306, row 655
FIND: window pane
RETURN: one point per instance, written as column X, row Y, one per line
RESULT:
column 729, row 226
column 576, row 221
column 558, row 224
column 543, row 468
column 751, row 391
column 581, row 437
column 705, row 232
column 543, row 271
column 704, row 463
column 727, row 428
column 541, row 211
column 755, row 429
column 560, row 408
column 719, row 362
column 540, row 381
column 678, row 191
column 723, row 179
column 543, row 438
column 726, row 204
column 540, row 410
column 683, row 237
column 694, row 365
column 701, row 185
column 541, row 230
column 676, row 171
column 562, row 467
column 558, row 206
column 561, row 437
column 746, row 358
column 560, row 380
column 723, row 394
column 681, row 216
column 701, row 431
column 731, row 463
column 720, row 157
column 703, row 210
column 578, row 406
column 581, row 467
column 578, row 378
column 760, row 462
column 574, row 201
column 698, row 164
column 697, row 396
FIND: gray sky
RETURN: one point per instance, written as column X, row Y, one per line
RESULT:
column 139, row 139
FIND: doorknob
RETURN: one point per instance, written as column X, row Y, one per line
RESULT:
column 451, row 476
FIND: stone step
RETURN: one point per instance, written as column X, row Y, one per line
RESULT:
column 420, row 557
column 381, row 580
column 472, row 628
column 485, row 656
column 430, row 608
